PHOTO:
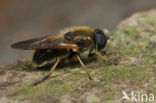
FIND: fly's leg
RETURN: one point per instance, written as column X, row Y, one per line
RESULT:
column 83, row 66
column 50, row 72
column 100, row 56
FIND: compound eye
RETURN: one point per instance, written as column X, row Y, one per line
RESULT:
column 69, row 36
column 100, row 38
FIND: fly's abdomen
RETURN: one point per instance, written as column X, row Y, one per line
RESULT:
column 44, row 57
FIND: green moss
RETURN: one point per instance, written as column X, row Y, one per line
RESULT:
column 148, row 20
column 22, row 93
column 134, row 50
column 108, row 93
column 154, row 33
column 151, row 45
column 154, row 59
column 112, row 75
column 139, row 76
column 132, row 30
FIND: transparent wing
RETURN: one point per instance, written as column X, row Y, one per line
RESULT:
column 48, row 42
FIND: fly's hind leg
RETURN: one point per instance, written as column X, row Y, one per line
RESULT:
column 50, row 72
column 83, row 66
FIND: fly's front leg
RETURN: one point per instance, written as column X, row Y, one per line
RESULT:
column 100, row 56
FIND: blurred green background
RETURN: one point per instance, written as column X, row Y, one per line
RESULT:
column 25, row 19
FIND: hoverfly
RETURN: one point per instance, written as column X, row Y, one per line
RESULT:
column 74, row 42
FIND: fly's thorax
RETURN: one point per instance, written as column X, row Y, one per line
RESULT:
column 81, row 36
column 85, row 44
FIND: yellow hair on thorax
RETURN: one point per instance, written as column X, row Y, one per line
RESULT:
column 70, row 29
